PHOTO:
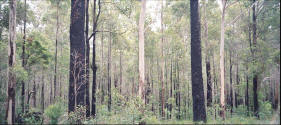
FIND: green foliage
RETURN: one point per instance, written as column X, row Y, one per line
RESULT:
column 265, row 110
column 78, row 116
column 53, row 112
column 33, row 116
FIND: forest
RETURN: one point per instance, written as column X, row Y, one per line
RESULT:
column 139, row 62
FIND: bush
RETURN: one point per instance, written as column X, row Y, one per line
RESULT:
column 53, row 112
column 33, row 116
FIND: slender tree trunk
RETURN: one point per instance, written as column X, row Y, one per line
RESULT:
column 94, row 66
column 222, row 95
column 34, row 94
column 230, row 78
column 10, row 112
column 141, row 50
column 77, row 54
column 171, row 88
column 199, row 111
column 120, row 60
column 56, row 53
column 237, row 101
column 247, row 92
column 255, row 78
column 109, row 73
column 87, row 81
column 42, row 92
column 162, row 66
column 102, row 71
column 23, row 58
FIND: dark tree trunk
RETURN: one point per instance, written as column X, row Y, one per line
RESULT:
column 171, row 89
column 109, row 74
column 209, row 83
column 255, row 78
column 23, row 58
column 77, row 55
column 199, row 111
column 43, row 93
column 230, row 78
column 34, row 94
column 87, row 59
column 178, row 98
column 247, row 92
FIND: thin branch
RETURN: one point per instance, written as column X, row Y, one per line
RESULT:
column 241, row 14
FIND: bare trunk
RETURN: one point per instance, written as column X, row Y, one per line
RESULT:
column 23, row 57
column 10, row 112
column 162, row 65
column 141, row 50
column 56, row 53
column 87, row 59
column 222, row 103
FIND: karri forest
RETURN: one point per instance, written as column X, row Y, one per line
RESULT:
column 139, row 62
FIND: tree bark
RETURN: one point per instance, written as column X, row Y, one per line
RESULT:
column 77, row 54
column 199, row 111
column 120, row 60
column 255, row 78
column 109, row 72
column 87, row 80
column 222, row 100
column 43, row 92
column 23, row 58
column 10, row 112
column 56, row 53
column 230, row 78
column 162, row 66
column 141, row 51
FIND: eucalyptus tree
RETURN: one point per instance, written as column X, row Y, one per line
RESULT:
column 199, row 111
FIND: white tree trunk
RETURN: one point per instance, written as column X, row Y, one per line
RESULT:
column 141, row 50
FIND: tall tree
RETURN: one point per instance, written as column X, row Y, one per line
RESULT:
column 10, row 112
column 199, row 111
column 87, row 80
column 94, row 67
column 255, row 78
column 207, row 58
column 162, row 65
column 77, row 54
column 230, row 80
column 222, row 103
column 141, row 50
column 56, row 53
column 23, row 58
column 109, row 72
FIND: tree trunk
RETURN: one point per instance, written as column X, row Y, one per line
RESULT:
column 109, row 72
column 34, row 94
column 222, row 103
column 42, row 92
column 141, row 50
column 247, row 91
column 162, row 66
column 171, row 89
column 10, row 112
column 77, row 54
column 23, row 58
column 199, row 111
column 56, row 53
column 230, row 78
column 120, row 60
column 255, row 78
column 87, row 59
